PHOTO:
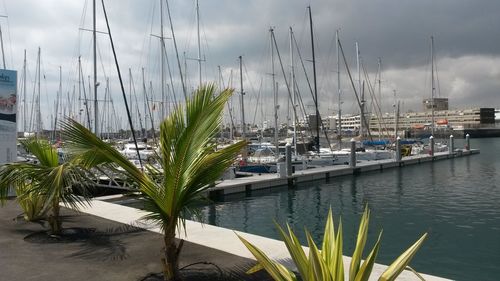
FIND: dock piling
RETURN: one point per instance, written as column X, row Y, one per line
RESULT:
column 467, row 142
column 431, row 146
column 288, row 156
column 451, row 145
column 398, row 149
column 352, row 162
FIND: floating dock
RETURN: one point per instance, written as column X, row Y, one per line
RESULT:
column 266, row 181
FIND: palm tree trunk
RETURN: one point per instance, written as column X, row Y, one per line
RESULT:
column 171, row 260
column 55, row 220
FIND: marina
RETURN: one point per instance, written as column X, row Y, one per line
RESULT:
column 455, row 200
column 215, row 123
column 265, row 181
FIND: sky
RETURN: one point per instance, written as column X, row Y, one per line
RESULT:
column 466, row 53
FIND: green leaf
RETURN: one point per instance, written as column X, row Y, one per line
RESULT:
column 328, row 245
column 365, row 270
column 360, row 244
column 337, row 269
column 402, row 261
column 318, row 266
column 295, row 249
column 277, row 271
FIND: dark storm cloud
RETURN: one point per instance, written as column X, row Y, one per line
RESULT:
column 466, row 37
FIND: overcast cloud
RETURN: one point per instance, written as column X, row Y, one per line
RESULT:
column 467, row 47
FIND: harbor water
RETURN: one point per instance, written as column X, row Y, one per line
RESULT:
column 456, row 201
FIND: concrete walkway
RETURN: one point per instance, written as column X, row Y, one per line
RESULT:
column 220, row 238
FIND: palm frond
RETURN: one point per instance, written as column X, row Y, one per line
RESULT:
column 189, row 159
column 42, row 150
column 91, row 151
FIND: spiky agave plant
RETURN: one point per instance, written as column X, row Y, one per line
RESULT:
column 189, row 163
column 327, row 264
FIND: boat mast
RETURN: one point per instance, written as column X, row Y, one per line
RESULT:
column 275, row 95
column 24, row 92
column 38, row 113
column 314, row 79
column 294, row 96
column 162, row 65
column 96, row 109
column 242, row 93
column 362, row 92
column 339, row 92
column 396, row 115
column 199, row 43
column 380, row 95
column 3, row 53
column 130, row 96
column 58, row 97
column 145, row 101
column 433, row 88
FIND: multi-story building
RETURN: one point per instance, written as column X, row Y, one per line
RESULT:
column 464, row 118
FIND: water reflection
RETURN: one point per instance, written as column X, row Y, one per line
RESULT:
column 456, row 201
column 399, row 184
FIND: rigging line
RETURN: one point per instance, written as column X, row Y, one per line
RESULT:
column 230, row 105
column 174, row 95
column 221, row 86
column 375, row 102
column 121, row 84
column 80, row 29
column 257, row 103
column 303, row 66
column 31, row 121
column 146, row 57
column 136, row 100
column 84, row 95
column 176, row 53
column 101, row 61
column 310, row 89
column 352, row 84
column 284, row 78
column 325, row 67
column 147, row 38
column 148, row 107
column 208, row 50
column 104, row 109
column 437, row 75
column 46, row 90
column 248, row 80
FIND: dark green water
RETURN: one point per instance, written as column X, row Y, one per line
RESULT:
column 457, row 202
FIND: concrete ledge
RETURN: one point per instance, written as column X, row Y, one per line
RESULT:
column 426, row 159
column 371, row 167
column 221, row 238
column 390, row 165
column 235, row 189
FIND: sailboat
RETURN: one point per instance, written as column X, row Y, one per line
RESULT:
column 362, row 152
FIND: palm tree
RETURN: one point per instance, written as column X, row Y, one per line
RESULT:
column 189, row 164
column 47, row 181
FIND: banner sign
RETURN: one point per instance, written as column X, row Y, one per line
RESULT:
column 8, row 110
